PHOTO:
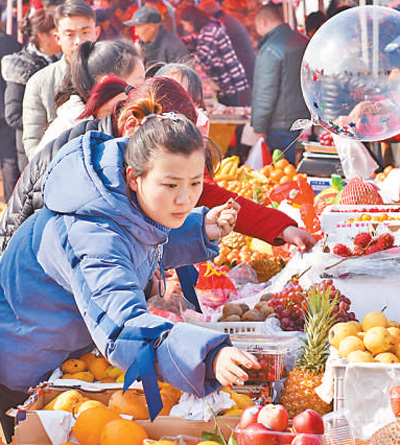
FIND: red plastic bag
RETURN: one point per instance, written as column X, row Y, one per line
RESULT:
column 295, row 193
column 214, row 285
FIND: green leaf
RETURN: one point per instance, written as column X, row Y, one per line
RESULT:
column 212, row 436
column 277, row 155
column 232, row 440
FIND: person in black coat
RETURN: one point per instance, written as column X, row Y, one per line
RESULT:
column 17, row 68
column 8, row 156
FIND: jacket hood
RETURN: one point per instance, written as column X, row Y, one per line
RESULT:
column 87, row 178
column 19, row 67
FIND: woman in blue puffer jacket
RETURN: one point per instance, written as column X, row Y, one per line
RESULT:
column 73, row 274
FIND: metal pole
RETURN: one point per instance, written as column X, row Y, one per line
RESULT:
column 20, row 36
column 9, row 24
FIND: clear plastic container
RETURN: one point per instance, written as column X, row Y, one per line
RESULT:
column 275, row 354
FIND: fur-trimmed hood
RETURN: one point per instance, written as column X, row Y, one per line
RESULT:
column 19, row 67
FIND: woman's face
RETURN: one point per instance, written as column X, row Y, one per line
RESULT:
column 168, row 192
column 48, row 43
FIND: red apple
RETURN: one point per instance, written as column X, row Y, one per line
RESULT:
column 306, row 439
column 309, row 422
column 256, row 434
column 274, row 416
column 249, row 415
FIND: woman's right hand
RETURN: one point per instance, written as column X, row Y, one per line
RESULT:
column 226, row 366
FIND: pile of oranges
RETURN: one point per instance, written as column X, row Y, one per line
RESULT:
column 282, row 171
column 382, row 175
column 249, row 190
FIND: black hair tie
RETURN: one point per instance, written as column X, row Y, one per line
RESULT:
column 128, row 89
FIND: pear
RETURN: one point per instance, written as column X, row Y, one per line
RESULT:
column 339, row 331
column 360, row 357
column 68, row 400
column 350, row 344
column 378, row 339
column 386, row 357
column 374, row 319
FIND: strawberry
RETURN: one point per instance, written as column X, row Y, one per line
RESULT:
column 385, row 241
column 341, row 250
column 362, row 240
column 372, row 249
column 395, row 400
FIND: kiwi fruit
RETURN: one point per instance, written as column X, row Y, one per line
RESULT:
column 245, row 307
column 233, row 317
column 266, row 297
column 231, row 309
column 253, row 315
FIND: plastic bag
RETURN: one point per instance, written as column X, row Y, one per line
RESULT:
column 214, row 285
column 259, row 155
column 243, row 274
column 355, row 158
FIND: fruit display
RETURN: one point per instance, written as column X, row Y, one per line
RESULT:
column 365, row 244
column 366, row 217
column 235, row 248
column 272, row 367
column 269, row 425
column 91, row 367
column 375, row 339
column 360, row 192
column 290, row 305
column 298, row 392
column 242, row 312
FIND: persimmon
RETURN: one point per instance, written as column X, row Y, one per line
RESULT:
column 290, row 170
column 89, row 424
column 276, row 175
column 284, row 179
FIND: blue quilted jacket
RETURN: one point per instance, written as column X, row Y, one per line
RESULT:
column 73, row 275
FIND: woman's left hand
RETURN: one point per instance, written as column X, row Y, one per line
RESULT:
column 221, row 220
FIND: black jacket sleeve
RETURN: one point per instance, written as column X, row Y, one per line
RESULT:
column 13, row 96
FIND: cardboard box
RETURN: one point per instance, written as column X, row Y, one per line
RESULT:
column 29, row 429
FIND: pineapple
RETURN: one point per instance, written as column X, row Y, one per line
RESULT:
column 298, row 393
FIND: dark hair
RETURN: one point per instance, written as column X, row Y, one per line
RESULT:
column 185, row 72
column 314, row 20
column 195, row 16
column 41, row 20
column 171, row 132
column 73, row 8
column 169, row 96
column 91, row 60
column 48, row 3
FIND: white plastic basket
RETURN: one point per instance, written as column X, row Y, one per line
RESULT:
column 238, row 327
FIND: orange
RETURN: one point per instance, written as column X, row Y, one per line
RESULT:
column 281, row 164
column 388, row 169
column 284, row 179
column 123, row 432
column 73, row 365
column 98, row 368
column 276, row 175
column 130, row 404
column 380, row 176
column 175, row 393
column 89, row 424
column 301, row 176
column 290, row 170
column 266, row 170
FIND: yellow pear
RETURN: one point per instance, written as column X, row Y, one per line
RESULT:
column 339, row 331
column 374, row 319
column 386, row 357
column 393, row 324
column 68, row 400
column 350, row 344
column 85, row 376
column 355, row 324
column 378, row 339
column 360, row 357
